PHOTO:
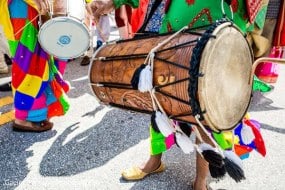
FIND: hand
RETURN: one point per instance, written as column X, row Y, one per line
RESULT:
column 43, row 6
column 99, row 7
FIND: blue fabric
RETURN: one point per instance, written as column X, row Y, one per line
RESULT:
column 18, row 9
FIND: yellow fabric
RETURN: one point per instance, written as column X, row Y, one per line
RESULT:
column 32, row 3
column 30, row 85
column 88, row 1
column 5, row 20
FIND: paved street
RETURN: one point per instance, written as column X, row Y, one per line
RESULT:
column 90, row 146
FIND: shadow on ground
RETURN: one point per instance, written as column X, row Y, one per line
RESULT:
column 14, row 154
column 96, row 146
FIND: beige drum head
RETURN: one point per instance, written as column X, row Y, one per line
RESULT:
column 64, row 37
column 224, row 91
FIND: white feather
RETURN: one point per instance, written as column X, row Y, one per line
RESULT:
column 247, row 134
column 145, row 81
column 233, row 157
column 163, row 124
column 205, row 146
column 184, row 142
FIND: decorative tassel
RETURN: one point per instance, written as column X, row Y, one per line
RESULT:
column 145, row 80
column 161, row 123
column 211, row 155
column 136, row 76
column 186, row 128
column 247, row 134
column 153, row 123
column 184, row 142
column 217, row 172
column 233, row 165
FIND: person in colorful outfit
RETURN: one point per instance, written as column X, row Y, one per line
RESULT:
column 199, row 13
column 37, row 83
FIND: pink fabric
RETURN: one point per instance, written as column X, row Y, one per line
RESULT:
column 39, row 103
column 21, row 114
column 268, row 71
column 169, row 141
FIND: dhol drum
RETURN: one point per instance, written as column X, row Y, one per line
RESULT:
column 64, row 34
column 204, row 72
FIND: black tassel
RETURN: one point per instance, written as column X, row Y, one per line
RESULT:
column 136, row 76
column 153, row 122
column 217, row 172
column 7, row 59
column 186, row 128
column 213, row 157
column 234, row 171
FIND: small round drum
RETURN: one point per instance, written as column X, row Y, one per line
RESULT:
column 65, row 35
column 223, row 89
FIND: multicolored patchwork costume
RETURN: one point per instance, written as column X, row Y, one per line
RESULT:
column 37, row 83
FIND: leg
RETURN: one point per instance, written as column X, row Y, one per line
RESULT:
column 202, row 166
column 152, row 163
column 158, row 144
column 202, row 171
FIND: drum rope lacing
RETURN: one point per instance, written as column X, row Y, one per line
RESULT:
column 194, row 74
column 194, row 69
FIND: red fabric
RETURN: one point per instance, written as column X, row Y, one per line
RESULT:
column 279, row 36
column 258, row 141
column 138, row 15
column 119, row 20
column 252, row 7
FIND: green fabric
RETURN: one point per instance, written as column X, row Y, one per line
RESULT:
column 260, row 17
column 222, row 141
column 200, row 13
column 27, row 36
column 132, row 3
column 64, row 103
column 157, row 142
column 13, row 47
column 259, row 85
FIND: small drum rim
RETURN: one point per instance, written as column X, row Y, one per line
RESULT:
column 90, row 70
column 50, row 21
column 202, row 100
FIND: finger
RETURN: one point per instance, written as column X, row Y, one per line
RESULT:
column 47, row 5
column 43, row 9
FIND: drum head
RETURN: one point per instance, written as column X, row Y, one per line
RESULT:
column 64, row 37
column 224, row 91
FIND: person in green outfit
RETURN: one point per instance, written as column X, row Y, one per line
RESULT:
column 178, row 14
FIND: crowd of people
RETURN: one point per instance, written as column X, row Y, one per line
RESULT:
column 39, row 88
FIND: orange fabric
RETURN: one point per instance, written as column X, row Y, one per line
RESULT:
column 138, row 15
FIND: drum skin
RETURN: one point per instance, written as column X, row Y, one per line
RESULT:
column 110, row 77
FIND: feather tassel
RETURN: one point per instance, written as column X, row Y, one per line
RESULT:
column 211, row 155
column 161, row 123
column 217, row 172
column 184, row 142
column 145, row 80
column 136, row 76
column 233, row 165
column 247, row 134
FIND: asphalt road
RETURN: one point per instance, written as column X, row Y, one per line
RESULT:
column 90, row 146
